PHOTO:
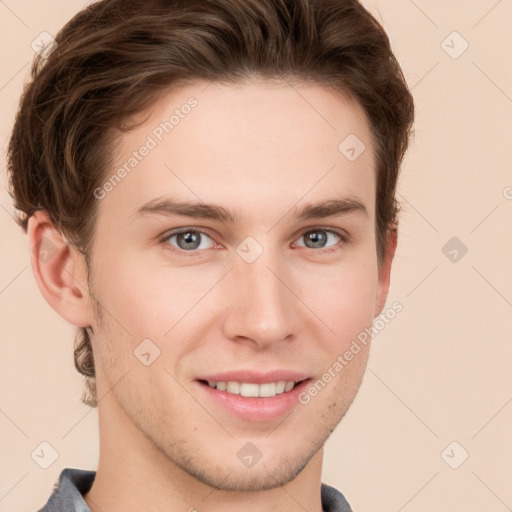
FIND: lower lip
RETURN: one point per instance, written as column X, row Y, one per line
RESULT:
column 255, row 408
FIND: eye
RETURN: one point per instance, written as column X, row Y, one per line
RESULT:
column 189, row 240
column 320, row 239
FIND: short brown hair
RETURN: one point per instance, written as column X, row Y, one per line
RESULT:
column 116, row 57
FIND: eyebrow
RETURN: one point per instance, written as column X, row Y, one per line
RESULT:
column 169, row 207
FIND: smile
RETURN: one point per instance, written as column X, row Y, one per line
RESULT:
column 253, row 401
column 253, row 390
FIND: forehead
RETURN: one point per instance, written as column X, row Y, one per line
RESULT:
column 244, row 143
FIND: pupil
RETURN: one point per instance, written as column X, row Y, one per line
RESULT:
column 318, row 239
column 191, row 240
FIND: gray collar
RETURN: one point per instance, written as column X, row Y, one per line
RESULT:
column 73, row 484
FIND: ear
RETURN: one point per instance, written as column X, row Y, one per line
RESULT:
column 60, row 270
column 385, row 270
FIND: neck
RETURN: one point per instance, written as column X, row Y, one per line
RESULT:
column 133, row 474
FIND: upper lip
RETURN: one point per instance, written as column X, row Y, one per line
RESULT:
column 254, row 377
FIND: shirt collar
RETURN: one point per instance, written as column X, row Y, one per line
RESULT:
column 73, row 484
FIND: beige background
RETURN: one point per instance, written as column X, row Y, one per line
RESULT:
column 439, row 372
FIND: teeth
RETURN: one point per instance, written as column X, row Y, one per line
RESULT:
column 289, row 386
column 233, row 387
column 280, row 386
column 267, row 389
column 248, row 389
column 253, row 390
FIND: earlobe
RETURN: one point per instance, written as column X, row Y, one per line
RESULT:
column 58, row 270
column 385, row 270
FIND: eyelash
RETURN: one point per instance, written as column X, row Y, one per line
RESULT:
column 344, row 239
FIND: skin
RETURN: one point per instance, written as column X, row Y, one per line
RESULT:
column 260, row 149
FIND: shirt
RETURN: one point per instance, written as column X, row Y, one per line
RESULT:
column 68, row 492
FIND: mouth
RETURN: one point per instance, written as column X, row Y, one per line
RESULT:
column 253, row 401
column 253, row 390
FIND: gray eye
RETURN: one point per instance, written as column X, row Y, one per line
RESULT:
column 318, row 238
column 190, row 240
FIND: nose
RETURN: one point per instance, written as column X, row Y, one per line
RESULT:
column 262, row 308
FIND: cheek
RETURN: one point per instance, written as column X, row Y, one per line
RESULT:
column 124, row 290
column 343, row 297
column 148, row 298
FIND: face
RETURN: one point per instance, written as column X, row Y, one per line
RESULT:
column 253, row 284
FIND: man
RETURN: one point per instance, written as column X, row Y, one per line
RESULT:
column 208, row 190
